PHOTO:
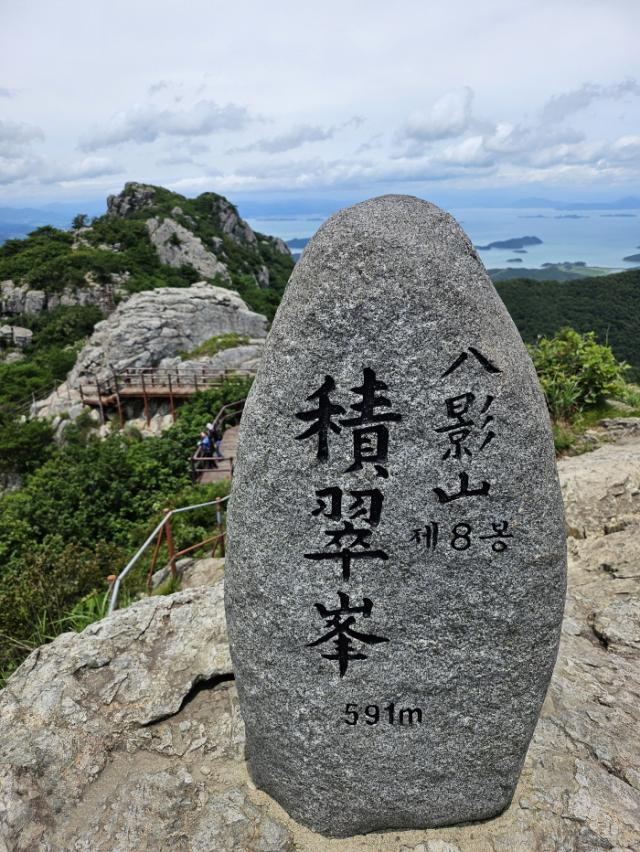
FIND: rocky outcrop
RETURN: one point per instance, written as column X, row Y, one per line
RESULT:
column 134, row 197
column 21, row 299
column 177, row 246
column 15, row 335
column 230, row 222
column 128, row 736
column 158, row 324
column 244, row 357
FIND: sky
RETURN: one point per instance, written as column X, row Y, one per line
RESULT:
column 281, row 102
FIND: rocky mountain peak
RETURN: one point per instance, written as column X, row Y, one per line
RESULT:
column 133, row 197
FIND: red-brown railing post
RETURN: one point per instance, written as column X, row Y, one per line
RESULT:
column 102, row 414
column 171, row 402
column 118, row 400
column 145, row 400
column 170, row 547
column 154, row 559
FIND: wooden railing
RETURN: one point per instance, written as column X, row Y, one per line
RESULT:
column 152, row 383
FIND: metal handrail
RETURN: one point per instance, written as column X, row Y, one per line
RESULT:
column 115, row 589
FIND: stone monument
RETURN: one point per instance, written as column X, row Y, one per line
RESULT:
column 396, row 565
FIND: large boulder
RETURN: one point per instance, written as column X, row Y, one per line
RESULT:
column 158, row 324
column 128, row 735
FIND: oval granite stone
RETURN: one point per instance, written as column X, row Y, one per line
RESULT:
column 396, row 565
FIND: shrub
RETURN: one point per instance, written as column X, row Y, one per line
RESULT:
column 576, row 372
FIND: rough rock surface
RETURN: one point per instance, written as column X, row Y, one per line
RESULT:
column 157, row 324
column 244, row 357
column 232, row 225
column 21, row 299
column 176, row 246
column 16, row 335
column 134, row 197
column 460, row 638
column 80, row 769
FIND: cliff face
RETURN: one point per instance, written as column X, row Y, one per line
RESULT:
column 129, row 736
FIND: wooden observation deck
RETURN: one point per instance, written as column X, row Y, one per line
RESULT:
column 151, row 383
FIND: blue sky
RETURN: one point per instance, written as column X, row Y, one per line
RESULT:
column 332, row 101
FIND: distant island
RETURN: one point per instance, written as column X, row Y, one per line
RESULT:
column 298, row 242
column 632, row 258
column 569, row 270
column 515, row 243
column 515, row 260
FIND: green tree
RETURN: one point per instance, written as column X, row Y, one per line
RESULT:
column 79, row 221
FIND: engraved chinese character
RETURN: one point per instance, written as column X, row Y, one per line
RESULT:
column 465, row 491
column 371, row 442
column 321, row 417
column 340, row 623
column 480, row 358
column 427, row 535
column 366, row 504
column 357, row 547
column 462, row 428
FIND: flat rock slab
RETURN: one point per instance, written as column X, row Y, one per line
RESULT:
column 396, row 561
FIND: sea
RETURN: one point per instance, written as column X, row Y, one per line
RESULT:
column 597, row 238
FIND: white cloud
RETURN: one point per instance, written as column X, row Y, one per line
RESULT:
column 469, row 152
column 297, row 136
column 14, row 137
column 16, row 169
column 448, row 117
column 148, row 123
column 558, row 107
column 80, row 170
column 626, row 148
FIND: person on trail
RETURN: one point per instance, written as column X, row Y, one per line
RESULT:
column 206, row 449
column 216, row 439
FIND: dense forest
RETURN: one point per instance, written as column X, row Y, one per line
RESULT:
column 607, row 305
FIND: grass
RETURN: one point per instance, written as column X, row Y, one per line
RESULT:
column 216, row 344
column 568, row 436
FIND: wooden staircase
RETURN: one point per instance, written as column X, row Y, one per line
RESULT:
column 224, row 466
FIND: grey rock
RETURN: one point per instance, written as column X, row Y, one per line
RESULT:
column 470, row 627
column 158, row 324
column 15, row 334
column 230, row 222
column 176, row 246
column 181, row 783
column 244, row 357
column 134, row 197
column 614, row 467
column 20, row 299
column 262, row 276
column 280, row 246
column 12, row 357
